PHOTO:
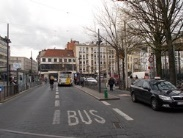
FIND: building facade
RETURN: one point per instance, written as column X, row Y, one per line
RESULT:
column 53, row 60
column 3, row 54
column 24, row 64
column 87, row 56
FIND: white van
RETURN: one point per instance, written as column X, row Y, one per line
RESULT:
column 141, row 75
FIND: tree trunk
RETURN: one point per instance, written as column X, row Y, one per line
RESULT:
column 171, row 58
column 119, row 74
column 158, row 63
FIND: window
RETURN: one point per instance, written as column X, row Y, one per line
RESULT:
column 145, row 85
column 60, row 60
column 49, row 60
column 43, row 60
column 70, row 60
column 65, row 60
column 55, row 60
column 74, row 60
column 138, row 83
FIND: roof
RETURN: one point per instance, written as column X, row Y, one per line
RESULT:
column 58, row 53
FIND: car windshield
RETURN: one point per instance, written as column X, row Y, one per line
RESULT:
column 162, row 85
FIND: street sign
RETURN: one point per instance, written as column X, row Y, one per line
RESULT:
column 16, row 66
column 151, row 59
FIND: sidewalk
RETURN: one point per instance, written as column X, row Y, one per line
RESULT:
column 96, row 94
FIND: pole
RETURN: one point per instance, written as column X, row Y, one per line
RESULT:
column 126, row 67
column 7, row 83
column 99, row 61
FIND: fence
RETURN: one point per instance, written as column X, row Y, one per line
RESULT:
column 22, row 81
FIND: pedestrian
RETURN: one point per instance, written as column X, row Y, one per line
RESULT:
column 51, row 82
column 111, row 83
column 136, row 77
column 82, row 81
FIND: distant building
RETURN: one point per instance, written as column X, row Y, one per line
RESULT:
column 24, row 64
column 53, row 60
column 3, row 54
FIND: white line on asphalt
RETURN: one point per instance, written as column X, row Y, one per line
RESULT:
column 57, row 103
column 124, row 94
column 122, row 114
column 33, row 134
column 106, row 103
column 56, row 96
column 57, row 92
column 56, row 117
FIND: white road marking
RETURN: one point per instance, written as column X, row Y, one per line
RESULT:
column 56, row 96
column 87, row 116
column 56, row 117
column 124, row 94
column 72, row 119
column 57, row 93
column 33, row 134
column 122, row 114
column 57, row 103
column 106, row 103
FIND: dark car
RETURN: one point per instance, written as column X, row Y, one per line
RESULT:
column 158, row 93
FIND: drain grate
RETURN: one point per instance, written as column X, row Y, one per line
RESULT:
column 117, row 125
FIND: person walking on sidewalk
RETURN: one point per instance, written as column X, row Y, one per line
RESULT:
column 111, row 83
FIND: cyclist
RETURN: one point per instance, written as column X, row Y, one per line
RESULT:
column 51, row 82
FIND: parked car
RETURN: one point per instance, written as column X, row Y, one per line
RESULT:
column 156, row 92
column 90, row 81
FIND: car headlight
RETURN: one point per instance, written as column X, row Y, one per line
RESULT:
column 165, row 98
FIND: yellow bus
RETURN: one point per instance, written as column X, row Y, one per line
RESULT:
column 65, row 78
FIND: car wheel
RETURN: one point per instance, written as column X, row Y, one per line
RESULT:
column 133, row 96
column 154, row 104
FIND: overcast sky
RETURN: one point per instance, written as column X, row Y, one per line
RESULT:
column 35, row 25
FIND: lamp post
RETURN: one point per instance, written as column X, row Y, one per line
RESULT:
column 31, row 66
column 7, row 66
column 99, row 74
column 79, row 67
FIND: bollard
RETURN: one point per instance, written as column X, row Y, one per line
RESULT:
column 105, row 93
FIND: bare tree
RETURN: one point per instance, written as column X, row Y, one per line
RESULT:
column 172, row 20
column 108, row 22
column 147, row 26
column 159, row 22
column 113, row 30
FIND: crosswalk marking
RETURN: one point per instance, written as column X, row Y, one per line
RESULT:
column 122, row 114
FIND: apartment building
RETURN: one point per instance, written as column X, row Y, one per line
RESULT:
column 23, row 63
column 87, row 58
column 53, row 60
column 3, row 54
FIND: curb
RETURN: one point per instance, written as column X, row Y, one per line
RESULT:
column 98, row 98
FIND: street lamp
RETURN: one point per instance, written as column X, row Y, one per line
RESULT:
column 99, row 79
column 7, row 41
column 80, row 67
column 31, row 66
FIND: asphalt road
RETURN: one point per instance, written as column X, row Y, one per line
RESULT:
column 69, row 112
